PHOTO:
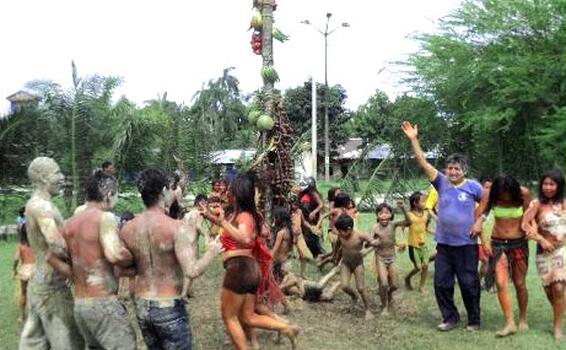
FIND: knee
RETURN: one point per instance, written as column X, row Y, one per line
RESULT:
column 520, row 284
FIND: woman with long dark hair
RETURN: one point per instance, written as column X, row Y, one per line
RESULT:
column 311, row 205
column 507, row 200
column 246, row 259
column 545, row 223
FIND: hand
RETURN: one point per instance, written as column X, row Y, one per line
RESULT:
column 312, row 216
column 488, row 249
column 216, row 216
column 215, row 246
column 400, row 204
column 546, row 245
column 412, row 131
column 402, row 246
column 476, row 228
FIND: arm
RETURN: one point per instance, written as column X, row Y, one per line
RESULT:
column 16, row 260
column 277, row 244
column 53, row 236
column 319, row 206
column 186, row 257
column 412, row 131
column 368, row 240
column 528, row 224
column 59, row 265
column 112, row 247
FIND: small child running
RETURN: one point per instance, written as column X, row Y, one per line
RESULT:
column 387, row 270
column 24, row 265
column 352, row 243
column 418, row 219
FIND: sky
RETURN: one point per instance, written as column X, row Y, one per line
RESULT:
column 176, row 46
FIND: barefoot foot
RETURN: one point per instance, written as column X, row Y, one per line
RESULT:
column 369, row 316
column 292, row 332
column 508, row 330
column 523, row 326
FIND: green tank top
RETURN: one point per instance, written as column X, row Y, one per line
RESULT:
column 508, row 213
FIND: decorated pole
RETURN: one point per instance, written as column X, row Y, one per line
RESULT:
column 273, row 163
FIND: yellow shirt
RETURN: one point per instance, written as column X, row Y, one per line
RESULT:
column 432, row 199
column 417, row 228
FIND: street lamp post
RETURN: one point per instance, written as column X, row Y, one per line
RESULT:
column 326, row 33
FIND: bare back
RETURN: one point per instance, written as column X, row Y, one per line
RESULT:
column 283, row 245
column 151, row 239
column 92, row 273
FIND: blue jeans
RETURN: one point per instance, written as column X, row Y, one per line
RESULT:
column 164, row 324
column 462, row 263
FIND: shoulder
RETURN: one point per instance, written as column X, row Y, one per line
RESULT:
column 41, row 206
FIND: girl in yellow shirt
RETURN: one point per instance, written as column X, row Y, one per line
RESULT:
column 419, row 219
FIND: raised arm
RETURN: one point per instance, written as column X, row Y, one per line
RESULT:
column 184, row 252
column 412, row 131
column 112, row 247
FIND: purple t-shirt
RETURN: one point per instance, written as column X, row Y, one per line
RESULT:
column 456, row 205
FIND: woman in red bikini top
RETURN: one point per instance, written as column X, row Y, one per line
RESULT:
column 243, row 255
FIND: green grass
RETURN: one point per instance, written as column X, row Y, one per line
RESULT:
column 334, row 325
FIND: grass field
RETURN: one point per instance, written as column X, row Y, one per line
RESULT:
column 334, row 325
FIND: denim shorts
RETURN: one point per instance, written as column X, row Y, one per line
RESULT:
column 164, row 323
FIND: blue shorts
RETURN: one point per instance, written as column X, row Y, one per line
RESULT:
column 164, row 324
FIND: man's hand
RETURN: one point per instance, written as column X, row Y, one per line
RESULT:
column 216, row 216
column 412, row 131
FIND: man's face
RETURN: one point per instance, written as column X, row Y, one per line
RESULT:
column 54, row 179
column 110, row 170
column 455, row 173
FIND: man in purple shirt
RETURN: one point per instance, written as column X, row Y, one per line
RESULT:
column 457, row 250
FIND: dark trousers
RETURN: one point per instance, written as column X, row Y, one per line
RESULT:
column 462, row 263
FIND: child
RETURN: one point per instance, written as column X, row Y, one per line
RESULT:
column 352, row 243
column 24, row 258
column 418, row 219
column 387, row 271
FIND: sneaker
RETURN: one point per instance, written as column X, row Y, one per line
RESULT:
column 447, row 326
column 473, row 328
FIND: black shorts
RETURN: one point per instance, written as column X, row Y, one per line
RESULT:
column 242, row 275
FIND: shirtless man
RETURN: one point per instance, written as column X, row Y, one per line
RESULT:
column 94, row 246
column 50, row 322
column 352, row 259
column 163, row 256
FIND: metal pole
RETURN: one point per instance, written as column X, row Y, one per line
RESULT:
column 314, row 150
column 326, row 102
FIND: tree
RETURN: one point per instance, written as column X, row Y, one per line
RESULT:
column 496, row 72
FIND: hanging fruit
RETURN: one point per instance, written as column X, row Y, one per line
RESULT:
column 256, row 21
column 269, row 74
column 279, row 35
column 256, row 42
column 253, row 116
column 265, row 122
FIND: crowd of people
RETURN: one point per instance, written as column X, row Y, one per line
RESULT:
column 156, row 253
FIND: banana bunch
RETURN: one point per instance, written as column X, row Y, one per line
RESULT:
column 279, row 35
column 257, row 21
column 269, row 74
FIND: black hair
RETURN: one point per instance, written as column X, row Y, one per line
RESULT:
column 502, row 184
column 219, row 180
column 150, row 185
column 414, row 199
column 23, row 235
column 341, row 200
column 332, row 193
column 558, row 177
column 201, row 197
column 382, row 206
column 106, row 164
column 99, row 185
column 344, row 222
column 243, row 190
column 485, row 178
column 281, row 220
column 22, row 211
column 457, row 158
column 126, row 216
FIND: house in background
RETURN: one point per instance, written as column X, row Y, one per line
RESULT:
column 22, row 99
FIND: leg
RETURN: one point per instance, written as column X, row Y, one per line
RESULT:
column 424, row 273
column 519, row 274
column 393, row 274
column 251, row 335
column 251, row 319
column 466, row 264
column 231, row 305
column 324, row 280
column 22, row 301
column 359, row 274
column 414, row 271
column 383, row 282
column 501, row 278
column 328, row 293
column 558, row 308
column 444, row 285
column 345, row 276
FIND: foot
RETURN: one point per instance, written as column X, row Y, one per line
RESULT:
column 523, row 326
column 558, row 334
column 421, row 290
column 472, row 328
column 508, row 330
column 447, row 326
column 369, row 316
column 292, row 332
column 384, row 312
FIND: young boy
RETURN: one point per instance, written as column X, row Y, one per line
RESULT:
column 352, row 243
column 387, row 271
column 24, row 258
